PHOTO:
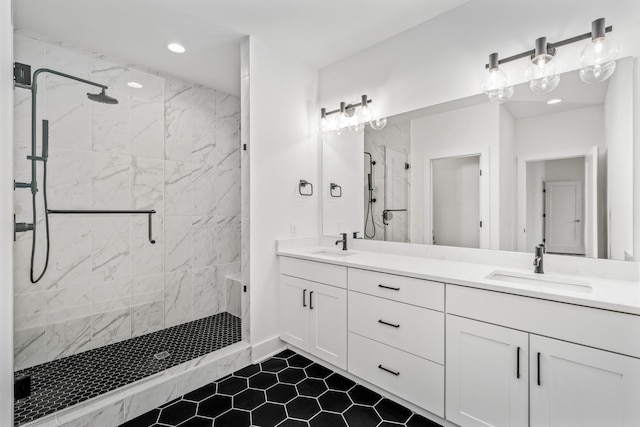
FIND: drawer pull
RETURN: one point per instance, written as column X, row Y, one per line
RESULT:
column 388, row 287
column 388, row 370
column 389, row 324
column 539, row 369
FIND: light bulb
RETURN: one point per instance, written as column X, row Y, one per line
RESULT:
column 355, row 126
column 342, row 121
column 378, row 123
column 365, row 112
column 542, row 74
column 496, row 84
column 598, row 60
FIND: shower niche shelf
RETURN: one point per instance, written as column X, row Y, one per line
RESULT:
column 148, row 212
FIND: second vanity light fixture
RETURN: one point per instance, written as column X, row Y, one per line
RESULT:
column 353, row 117
column 598, row 60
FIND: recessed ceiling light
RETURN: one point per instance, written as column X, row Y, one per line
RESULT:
column 134, row 85
column 176, row 47
column 555, row 101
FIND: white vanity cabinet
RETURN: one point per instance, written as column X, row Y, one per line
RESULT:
column 395, row 341
column 487, row 374
column 502, row 376
column 313, row 315
column 574, row 385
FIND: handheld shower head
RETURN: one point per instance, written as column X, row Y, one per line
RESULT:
column 102, row 97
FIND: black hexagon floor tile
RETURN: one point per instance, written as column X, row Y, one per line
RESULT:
column 290, row 398
column 65, row 382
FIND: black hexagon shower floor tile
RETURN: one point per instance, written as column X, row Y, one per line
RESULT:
column 287, row 390
column 64, row 382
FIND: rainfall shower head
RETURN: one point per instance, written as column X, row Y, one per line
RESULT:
column 102, row 97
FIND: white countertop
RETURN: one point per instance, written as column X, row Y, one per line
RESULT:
column 608, row 294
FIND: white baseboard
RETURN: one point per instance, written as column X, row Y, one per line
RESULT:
column 267, row 348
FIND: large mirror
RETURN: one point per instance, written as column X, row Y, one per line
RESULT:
column 554, row 169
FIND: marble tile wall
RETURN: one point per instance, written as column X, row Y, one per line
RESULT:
column 172, row 146
column 395, row 136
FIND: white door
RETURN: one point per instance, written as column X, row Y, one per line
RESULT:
column 455, row 184
column 591, row 203
column 577, row 386
column 328, row 324
column 564, row 229
column 486, row 374
column 294, row 311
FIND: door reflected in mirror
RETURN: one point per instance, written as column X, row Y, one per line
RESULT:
column 469, row 173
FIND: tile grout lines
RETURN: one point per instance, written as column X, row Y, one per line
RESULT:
column 287, row 390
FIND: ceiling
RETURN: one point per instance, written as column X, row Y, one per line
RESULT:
column 318, row 33
column 573, row 92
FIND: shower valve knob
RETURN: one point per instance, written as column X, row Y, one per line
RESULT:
column 20, row 227
column 373, row 200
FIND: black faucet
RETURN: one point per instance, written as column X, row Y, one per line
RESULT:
column 538, row 260
column 343, row 241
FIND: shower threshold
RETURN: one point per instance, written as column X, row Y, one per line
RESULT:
column 65, row 382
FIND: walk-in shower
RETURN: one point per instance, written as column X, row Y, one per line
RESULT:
column 370, row 201
column 142, row 224
column 23, row 80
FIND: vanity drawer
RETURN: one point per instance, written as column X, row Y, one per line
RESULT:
column 412, row 378
column 607, row 330
column 417, row 330
column 334, row 275
column 423, row 293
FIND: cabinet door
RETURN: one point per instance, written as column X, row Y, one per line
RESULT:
column 579, row 386
column 328, row 324
column 294, row 311
column 487, row 374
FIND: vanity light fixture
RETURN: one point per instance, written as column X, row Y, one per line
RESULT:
column 597, row 60
column 135, row 85
column 353, row 117
column 176, row 48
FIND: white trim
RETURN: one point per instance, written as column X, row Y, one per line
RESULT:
column 6, row 214
column 267, row 348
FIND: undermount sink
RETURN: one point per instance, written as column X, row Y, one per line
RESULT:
column 541, row 280
column 334, row 254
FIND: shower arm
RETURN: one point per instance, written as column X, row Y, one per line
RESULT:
column 34, row 91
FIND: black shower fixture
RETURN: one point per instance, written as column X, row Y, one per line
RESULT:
column 102, row 98
column 22, row 79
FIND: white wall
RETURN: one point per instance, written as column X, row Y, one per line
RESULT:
column 554, row 135
column 6, row 214
column 618, row 121
column 283, row 149
column 507, row 178
column 442, row 135
column 342, row 165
